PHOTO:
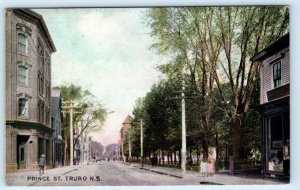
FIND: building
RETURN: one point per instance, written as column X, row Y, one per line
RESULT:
column 56, row 122
column 275, row 107
column 28, row 90
column 126, row 125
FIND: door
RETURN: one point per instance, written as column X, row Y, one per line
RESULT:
column 275, row 143
column 22, row 157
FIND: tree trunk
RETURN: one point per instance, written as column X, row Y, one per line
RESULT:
column 175, row 158
column 217, row 151
column 168, row 157
column 204, row 138
column 66, row 155
column 179, row 152
column 171, row 156
column 198, row 156
column 163, row 157
column 226, row 152
column 238, row 125
column 158, row 155
column 191, row 159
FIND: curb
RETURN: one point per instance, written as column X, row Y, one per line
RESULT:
column 162, row 173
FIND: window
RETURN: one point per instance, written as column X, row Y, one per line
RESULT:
column 48, row 116
column 23, row 108
column 41, row 55
column 41, row 111
column 22, row 43
column 277, row 74
column 22, row 75
column 40, row 84
column 47, row 90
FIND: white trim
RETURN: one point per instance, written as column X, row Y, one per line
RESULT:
column 26, row 109
column 27, row 75
column 273, row 85
column 27, row 43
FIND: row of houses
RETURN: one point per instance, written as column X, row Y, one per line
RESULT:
column 274, row 109
column 33, row 112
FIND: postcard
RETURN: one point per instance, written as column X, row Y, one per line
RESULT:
column 147, row 96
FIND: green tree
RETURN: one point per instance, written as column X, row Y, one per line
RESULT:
column 91, row 114
column 215, row 44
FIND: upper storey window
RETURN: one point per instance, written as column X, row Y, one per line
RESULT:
column 22, row 43
column 22, row 75
column 41, row 55
column 23, row 108
column 277, row 74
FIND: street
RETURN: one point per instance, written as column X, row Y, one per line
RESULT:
column 104, row 173
column 125, row 174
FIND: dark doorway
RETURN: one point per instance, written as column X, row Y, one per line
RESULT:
column 22, row 151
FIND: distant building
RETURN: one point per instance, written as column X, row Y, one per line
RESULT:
column 275, row 107
column 57, row 121
column 28, row 90
column 126, row 126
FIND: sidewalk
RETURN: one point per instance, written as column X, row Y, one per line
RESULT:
column 21, row 178
column 216, row 179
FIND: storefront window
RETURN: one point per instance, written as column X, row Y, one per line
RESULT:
column 275, row 143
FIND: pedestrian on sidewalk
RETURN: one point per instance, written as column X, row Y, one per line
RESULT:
column 42, row 163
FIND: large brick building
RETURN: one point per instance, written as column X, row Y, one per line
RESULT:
column 28, row 90
column 275, row 107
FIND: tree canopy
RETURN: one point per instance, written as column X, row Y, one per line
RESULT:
column 89, row 114
column 211, row 47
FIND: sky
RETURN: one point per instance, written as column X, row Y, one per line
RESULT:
column 106, row 51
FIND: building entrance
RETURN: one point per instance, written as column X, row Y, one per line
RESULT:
column 22, row 151
column 21, row 155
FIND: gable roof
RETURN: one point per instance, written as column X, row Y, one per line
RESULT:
column 128, row 120
column 278, row 45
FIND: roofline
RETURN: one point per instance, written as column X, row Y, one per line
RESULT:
column 261, row 55
column 41, row 23
column 128, row 116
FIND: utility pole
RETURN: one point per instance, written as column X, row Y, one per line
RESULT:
column 71, row 108
column 89, row 149
column 71, row 135
column 183, row 125
column 81, row 144
column 183, row 146
column 142, row 154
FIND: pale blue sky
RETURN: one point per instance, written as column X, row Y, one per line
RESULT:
column 107, row 52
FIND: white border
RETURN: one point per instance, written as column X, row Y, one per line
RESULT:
column 295, row 77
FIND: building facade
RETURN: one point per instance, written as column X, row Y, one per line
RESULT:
column 275, row 107
column 56, row 122
column 28, row 90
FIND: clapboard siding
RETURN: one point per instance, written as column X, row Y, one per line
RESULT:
column 267, row 72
